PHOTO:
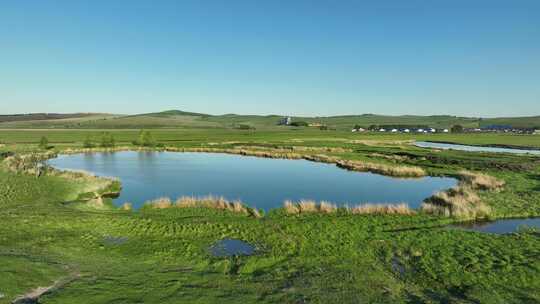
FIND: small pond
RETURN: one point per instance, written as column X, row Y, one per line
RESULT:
column 231, row 247
column 445, row 146
column 259, row 182
column 500, row 226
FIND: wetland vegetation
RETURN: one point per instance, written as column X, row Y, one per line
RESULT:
column 62, row 229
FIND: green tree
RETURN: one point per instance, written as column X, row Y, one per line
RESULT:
column 145, row 139
column 44, row 143
column 107, row 140
column 457, row 129
column 87, row 143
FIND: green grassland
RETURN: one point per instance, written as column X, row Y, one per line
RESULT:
column 181, row 119
column 48, row 236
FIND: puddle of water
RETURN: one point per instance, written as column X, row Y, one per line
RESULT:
column 444, row 146
column 112, row 240
column 231, row 247
column 502, row 226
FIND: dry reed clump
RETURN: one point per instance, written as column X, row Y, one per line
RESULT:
column 160, row 203
column 480, row 181
column 402, row 209
column 308, row 206
column 210, row 201
column 391, row 170
column 460, row 201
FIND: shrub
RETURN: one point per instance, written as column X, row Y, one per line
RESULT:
column 299, row 124
column 145, row 139
column 87, row 143
column 107, row 140
column 44, row 143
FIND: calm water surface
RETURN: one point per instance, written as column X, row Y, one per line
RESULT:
column 231, row 247
column 427, row 144
column 259, row 182
column 501, row 226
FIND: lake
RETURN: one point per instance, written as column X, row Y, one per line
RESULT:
column 258, row 182
column 444, row 146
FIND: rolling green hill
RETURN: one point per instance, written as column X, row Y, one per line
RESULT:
column 182, row 119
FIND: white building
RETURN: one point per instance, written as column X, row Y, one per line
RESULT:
column 446, row 131
column 285, row 121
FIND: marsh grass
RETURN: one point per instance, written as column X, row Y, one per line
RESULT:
column 480, row 181
column 401, row 209
column 213, row 202
column 463, row 201
column 309, row 206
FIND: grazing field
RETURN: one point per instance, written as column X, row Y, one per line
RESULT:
column 181, row 119
column 59, row 231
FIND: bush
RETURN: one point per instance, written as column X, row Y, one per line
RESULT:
column 87, row 143
column 145, row 139
column 245, row 127
column 299, row 124
column 107, row 140
column 457, row 129
column 44, row 143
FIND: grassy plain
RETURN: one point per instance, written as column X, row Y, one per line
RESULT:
column 337, row 257
column 181, row 119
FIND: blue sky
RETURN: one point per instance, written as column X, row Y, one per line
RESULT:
column 471, row 58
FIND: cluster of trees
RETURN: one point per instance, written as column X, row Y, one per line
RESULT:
column 106, row 141
column 456, row 129
column 145, row 139
column 299, row 124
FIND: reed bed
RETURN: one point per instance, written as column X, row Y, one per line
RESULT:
column 390, row 170
column 480, row 181
column 462, row 201
column 401, row 209
column 309, row 206
column 212, row 202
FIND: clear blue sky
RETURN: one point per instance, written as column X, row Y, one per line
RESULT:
column 470, row 57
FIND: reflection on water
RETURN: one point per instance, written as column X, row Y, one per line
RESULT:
column 231, row 247
column 258, row 182
column 427, row 144
column 500, row 226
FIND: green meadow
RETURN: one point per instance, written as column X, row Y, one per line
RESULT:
column 53, row 235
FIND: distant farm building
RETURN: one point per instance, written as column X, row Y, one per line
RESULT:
column 285, row 121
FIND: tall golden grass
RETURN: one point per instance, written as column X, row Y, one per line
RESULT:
column 309, row 206
column 480, row 181
column 402, row 209
column 213, row 202
column 462, row 201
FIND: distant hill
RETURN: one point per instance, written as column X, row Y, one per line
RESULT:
column 41, row 116
column 183, row 119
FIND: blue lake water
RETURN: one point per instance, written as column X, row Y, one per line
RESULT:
column 427, row 144
column 501, row 226
column 258, row 182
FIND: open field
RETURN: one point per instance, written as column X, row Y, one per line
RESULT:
column 52, row 236
column 307, row 136
column 180, row 119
